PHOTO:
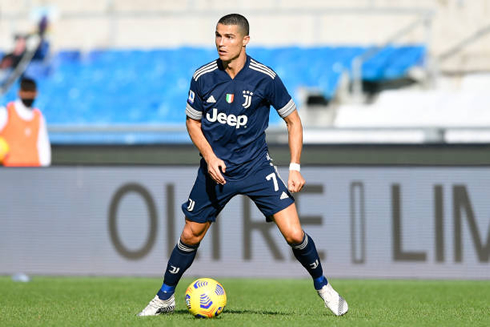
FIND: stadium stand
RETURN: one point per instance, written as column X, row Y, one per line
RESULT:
column 124, row 87
column 138, row 64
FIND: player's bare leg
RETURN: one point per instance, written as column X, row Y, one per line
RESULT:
column 193, row 232
column 304, row 250
column 287, row 221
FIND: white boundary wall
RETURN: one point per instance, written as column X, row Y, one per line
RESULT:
column 167, row 23
column 367, row 222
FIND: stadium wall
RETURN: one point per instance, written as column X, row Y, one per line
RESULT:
column 367, row 222
column 437, row 154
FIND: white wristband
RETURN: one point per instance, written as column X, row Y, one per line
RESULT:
column 294, row 166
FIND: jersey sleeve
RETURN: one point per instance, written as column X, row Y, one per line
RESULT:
column 3, row 117
column 280, row 98
column 194, row 102
column 43, row 144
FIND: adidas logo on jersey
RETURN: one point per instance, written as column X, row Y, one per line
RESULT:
column 283, row 196
column 211, row 99
column 230, row 120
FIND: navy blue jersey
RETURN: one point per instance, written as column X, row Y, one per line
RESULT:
column 234, row 113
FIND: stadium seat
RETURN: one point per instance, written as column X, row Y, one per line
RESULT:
column 135, row 86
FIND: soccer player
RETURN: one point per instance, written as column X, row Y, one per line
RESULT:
column 227, row 115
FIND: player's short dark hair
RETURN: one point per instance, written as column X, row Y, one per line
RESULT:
column 236, row 19
column 28, row 84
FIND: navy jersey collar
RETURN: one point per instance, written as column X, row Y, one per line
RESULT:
column 245, row 67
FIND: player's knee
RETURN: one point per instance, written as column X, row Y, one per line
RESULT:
column 295, row 236
column 190, row 238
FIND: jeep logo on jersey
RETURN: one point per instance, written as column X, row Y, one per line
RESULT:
column 230, row 120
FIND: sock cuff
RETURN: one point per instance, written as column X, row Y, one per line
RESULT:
column 167, row 288
column 166, row 292
column 303, row 244
column 320, row 282
column 187, row 248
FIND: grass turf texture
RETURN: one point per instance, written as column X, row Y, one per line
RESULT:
column 51, row 301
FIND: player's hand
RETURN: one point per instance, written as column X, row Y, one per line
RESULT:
column 295, row 181
column 216, row 167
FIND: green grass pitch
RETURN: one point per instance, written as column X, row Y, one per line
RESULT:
column 97, row 301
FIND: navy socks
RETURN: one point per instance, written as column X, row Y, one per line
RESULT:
column 320, row 282
column 180, row 260
column 166, row 292
column 183, row 255
column 307, row 255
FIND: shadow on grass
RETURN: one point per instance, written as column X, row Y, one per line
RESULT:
column 240, row 312
column 255, row 312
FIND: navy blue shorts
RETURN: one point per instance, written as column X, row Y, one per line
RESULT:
column 262, row 185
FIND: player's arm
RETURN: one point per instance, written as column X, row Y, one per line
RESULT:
column 4, row 148
column 3, row 117
column 44, row 145
column 295, row 140
column 215, row 164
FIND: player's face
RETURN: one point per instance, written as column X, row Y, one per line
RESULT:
column 230, row 42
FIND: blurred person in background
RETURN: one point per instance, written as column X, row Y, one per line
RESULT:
column 24, row 130
column 12, row 59
column 227, row 114
column 42, row 50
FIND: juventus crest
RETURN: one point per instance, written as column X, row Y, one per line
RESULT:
column 248, row 99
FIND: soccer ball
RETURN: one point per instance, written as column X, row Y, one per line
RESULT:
column 205, row 298
column 4, row 149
